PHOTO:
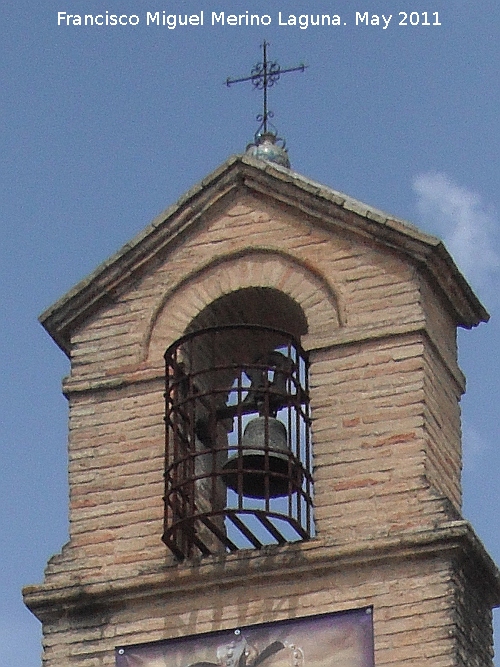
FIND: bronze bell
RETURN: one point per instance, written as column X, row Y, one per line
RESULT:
column 253, row 461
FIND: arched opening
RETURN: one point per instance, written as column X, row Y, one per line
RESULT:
column 238, row 462
column 253, row 305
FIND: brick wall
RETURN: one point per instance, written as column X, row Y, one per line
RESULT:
column 414, row 619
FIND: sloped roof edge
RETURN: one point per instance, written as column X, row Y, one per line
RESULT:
column 284, row 185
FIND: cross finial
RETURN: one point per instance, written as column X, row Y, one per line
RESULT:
column 264, row 75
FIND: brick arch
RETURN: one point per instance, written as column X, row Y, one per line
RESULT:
column 259, row 268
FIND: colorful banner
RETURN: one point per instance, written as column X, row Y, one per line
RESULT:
column 330, row 640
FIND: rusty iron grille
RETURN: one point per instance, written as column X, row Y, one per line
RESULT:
column 238, row 464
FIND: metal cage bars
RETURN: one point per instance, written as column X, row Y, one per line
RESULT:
column 238, row 463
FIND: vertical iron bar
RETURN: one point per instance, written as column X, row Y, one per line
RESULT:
column 267, row 472
column 290, row 406
column 298, row 433
column 264, row 48
column 191, row 454
column 166, row 499
column 239, row 450
column 308, row 461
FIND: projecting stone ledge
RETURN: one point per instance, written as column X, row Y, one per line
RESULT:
column 454, row 541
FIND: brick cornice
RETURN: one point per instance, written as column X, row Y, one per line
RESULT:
column 450, row 541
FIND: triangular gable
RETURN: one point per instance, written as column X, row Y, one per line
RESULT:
column 323, row 205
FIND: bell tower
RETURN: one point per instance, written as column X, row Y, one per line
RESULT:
column 265, row 442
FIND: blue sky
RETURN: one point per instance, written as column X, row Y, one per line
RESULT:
column 103, row 127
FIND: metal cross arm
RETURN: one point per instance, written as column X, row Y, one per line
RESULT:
column 264, row 75
column 258, row 78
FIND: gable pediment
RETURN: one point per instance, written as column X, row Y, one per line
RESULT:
column 298, row 198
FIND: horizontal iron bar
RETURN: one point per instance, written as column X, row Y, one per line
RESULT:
column 271, row 73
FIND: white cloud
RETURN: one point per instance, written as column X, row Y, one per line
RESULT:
column 466, row 225
column 474, row 446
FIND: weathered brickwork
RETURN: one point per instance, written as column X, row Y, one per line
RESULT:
column 414, row 610
column 385, row 392
column 441, row 328
column 316, row 269
column 442, row 426
column 473, row 624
